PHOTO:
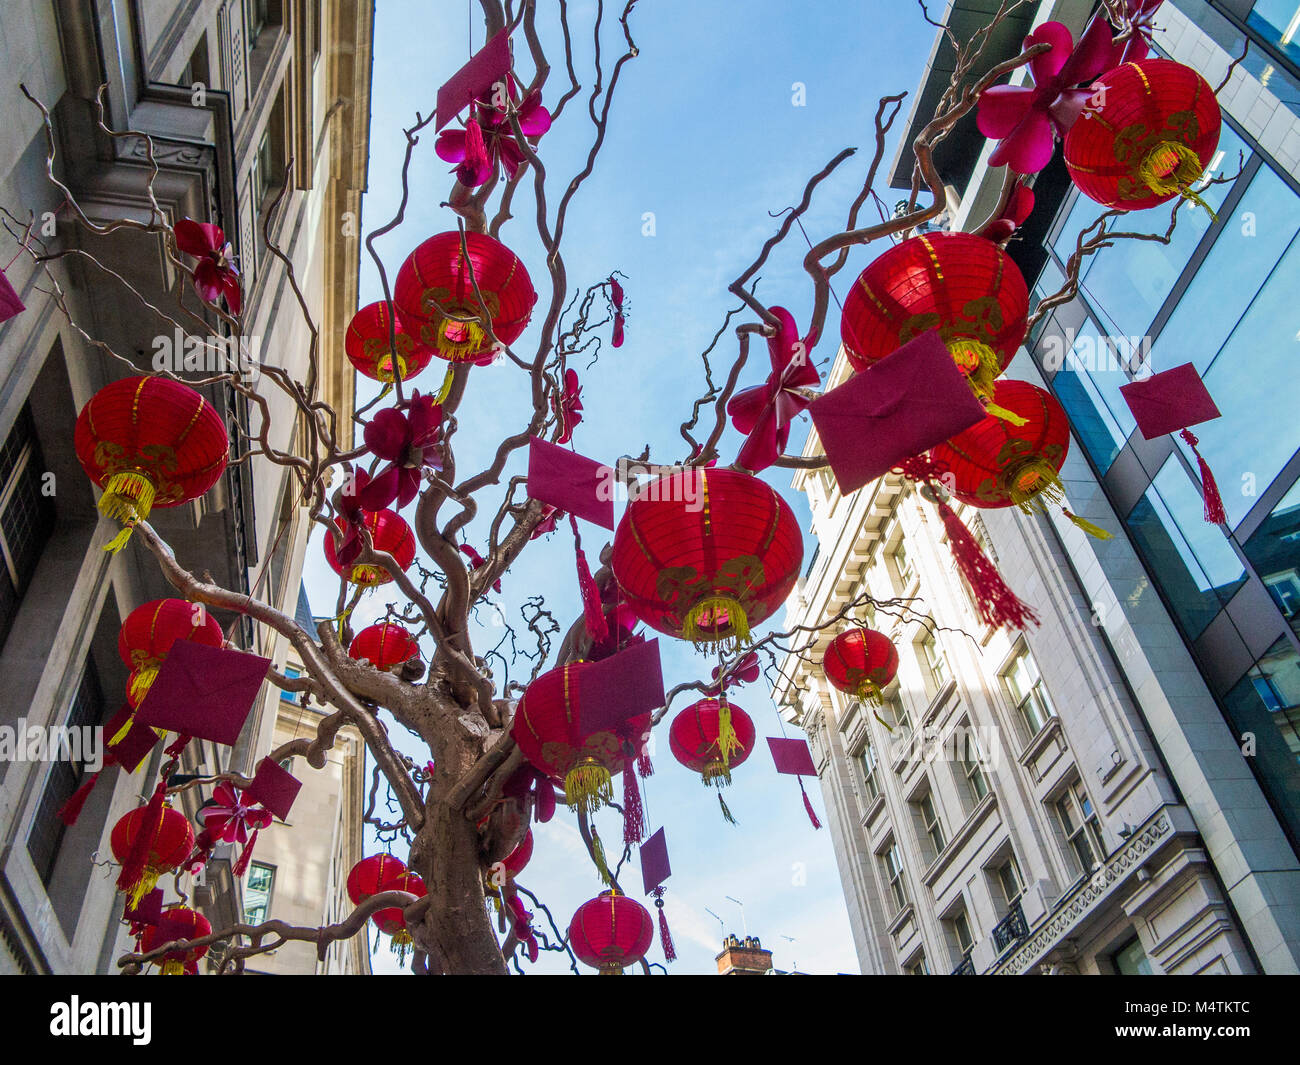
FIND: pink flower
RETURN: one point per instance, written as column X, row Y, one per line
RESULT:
column 745, row 671
column 1026, row 119
column 348, row 549
column 616, row 298
column 620, row 624
column 488, row 137
column 215, row 274
column 764, row 413
column 568, row 408
column 228, row 818
column 1018, row 208
column 550, row 518
column 407, row 436
column 475, row 561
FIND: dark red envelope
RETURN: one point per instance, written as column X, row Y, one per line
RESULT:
column 654, row 862
column 792, row 757
column 489, row 65
column 203, row 691
column 274, row 787
column 1169, row 401
column 10, row 304
column 147, row 911
column 902, row 405
column 619, row 688
column 572, row 483
column 132, row 749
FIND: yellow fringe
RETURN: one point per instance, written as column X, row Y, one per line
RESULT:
column 384, row 369
column 588, row 786
column 734, row 637
column 173, row 968
column 471, row 345
column 728, row 742
column 598, row 855
column 979, row 362
column 142, row 681
column 1010, row 417
column 869, row 692
column 1092, row 530
column 1031, row 483
column 716, row 772
column 1171, row 166
column 128, row 497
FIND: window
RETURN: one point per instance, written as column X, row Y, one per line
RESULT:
column 1025, row 686
column 1131, row 959
column 292, row 672
column 317, row 30
column 27, row 515
column 1081, row 827
column 959, row 930
column 903, row 571
column 934, row 662
column 918, row 966
column 257, row 892
column 893, row 711
column 1008, row 878
column 869, row 778
column 971, row 759
column 891, row 865
column 928, row 818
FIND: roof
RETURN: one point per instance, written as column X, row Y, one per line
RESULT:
column 302, row 613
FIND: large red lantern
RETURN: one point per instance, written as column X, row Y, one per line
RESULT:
column 437, row 304
column 384, row 645
column 371, row 875
column 389, row 533
column 149, row 442
column 391, row 921
column 706, row 554
column 548, row 727
column 149, row 632
column 177, row 924
column 370, row 351
column 961, row 284
column 861, row 662
column 611, row 931
column 165, row 849
column 997, row 464
column 1148, row 137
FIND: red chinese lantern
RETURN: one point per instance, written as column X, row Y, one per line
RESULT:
column 1151, row 129
column 389, row 533
column 391, row 921
column 712, row 737
column 369, row 350
column 437, row 304
column 371, row 875
column 611, row 931
column 384, row 645
column 997, row 464
column 149, row 632
column 163, row 851
column 706, row 554
column 963, row 285
column 149, row 442
column 548, row 728
column 177, row 923
column 860, row 662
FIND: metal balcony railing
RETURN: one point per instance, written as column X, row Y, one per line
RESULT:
column 966, row 968
column 1011, row 929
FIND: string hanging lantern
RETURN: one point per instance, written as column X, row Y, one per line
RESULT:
column 370, row 350
column 712, row 737
column 384, row 645
column 611, row 932
column 861, row 662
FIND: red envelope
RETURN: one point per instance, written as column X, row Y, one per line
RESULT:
column 902, row 405
column 10, row 304
column 1169, row 401
column 274, row 787
column 131, row 750
column 204, row 691
column 569, row 482
column 654, row 862
column 615, row 691
column 489, row 65
column 792, row 757
column 147, row 911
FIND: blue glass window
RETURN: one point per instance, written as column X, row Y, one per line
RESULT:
column 1274, row 552
column 1278, row 22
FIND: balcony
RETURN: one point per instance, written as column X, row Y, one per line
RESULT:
column 1010, row 930
column 966, row 968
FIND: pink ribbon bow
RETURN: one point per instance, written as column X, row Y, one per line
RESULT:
column 1026, row 119
column 616, row 298
column 764, row 412
column 228, row 819
column 215, row 274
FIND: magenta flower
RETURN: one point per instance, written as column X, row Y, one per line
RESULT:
column 620, row 625
column 488, row 138
column 765, row 412
column 616, row 298
column 550, row 518
column 215, row 274
column 746, row 671
column 568, row 408
column 1019, row 206
column 1138, row 14
column 475, row 561
column 348, row 549
column 1026, row 119
column 406, row 436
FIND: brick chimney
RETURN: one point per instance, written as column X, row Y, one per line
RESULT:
column 744, row 957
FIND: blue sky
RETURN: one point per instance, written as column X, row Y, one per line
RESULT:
column 705, row 134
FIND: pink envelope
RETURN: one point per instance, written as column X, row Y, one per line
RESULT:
column 572, row 483
column 654, row 862
column 792, row 757
column 131, row 750
column 902, row 405
column 618, row 689
column 204, row 691
column 274, row 787
column 1169, row 401
column 10, row 304
column 489, row 65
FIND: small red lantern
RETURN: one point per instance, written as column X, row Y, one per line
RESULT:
column 149, row 442
column 706, row 554
column 369, row 350
column 384, row 645
column 963, row 285
column 861, row 662
column 166, row 849
column 515, row 861
column 370, row 875
column 389, row 533
column 1149, row 138
column 712, row 737
column 997, row 464
column 548, row 729
column 611, row 931
column 391, row 921
column 177, row 924
column 437, row 304
column 149, row 632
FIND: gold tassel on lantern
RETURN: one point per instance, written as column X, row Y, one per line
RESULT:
column 1171, row 166
column 701, row 626
column 128, row 498
column 981, row 365
column 1032, row 483
column 461, row 336
column 588, row 786
column 172, row 967
column 384, row 370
